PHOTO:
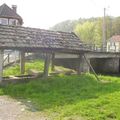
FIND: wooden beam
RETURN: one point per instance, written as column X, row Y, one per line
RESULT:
column 22, row 62
column 46, row 65
column 79, row 67
column 52, row 62
column 1, row 64
column 91, row 67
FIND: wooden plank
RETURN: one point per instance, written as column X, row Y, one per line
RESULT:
column 1, row 64
column 52, row 62
column 46, row 65
column 22, row 62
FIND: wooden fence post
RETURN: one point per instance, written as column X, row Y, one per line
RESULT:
column 22, row 62
column 47, row 64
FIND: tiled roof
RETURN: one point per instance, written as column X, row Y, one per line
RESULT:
column 115, row 38
column 7, row 12
column 17, row 37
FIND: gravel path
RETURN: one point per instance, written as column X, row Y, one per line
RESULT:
column 11, row 109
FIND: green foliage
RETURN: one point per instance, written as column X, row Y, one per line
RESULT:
column 14, row 70
column 98, row 32
column 35, row 64
column 72, row 97
column 90, row 31
column 115, row 24
column 86, row 31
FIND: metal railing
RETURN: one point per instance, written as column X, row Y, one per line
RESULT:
column 98, row 48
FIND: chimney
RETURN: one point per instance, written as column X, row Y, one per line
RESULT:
column 14, row 7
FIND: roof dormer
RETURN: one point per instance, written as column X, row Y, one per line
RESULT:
column 8, row 16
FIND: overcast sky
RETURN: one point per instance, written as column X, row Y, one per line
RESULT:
column 46, row 13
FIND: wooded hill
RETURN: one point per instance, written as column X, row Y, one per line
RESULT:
column 90, row 30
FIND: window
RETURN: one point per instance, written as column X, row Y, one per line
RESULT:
column 112, row 43
column 4, row 21
column 13, row 22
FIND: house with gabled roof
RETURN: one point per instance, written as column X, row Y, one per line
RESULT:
column 9, row 16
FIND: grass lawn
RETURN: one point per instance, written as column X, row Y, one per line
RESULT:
column 71, row 97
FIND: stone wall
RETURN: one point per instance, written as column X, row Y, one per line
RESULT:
column 100, row 65
column 105, row 65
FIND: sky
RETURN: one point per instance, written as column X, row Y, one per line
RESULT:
column 46, row 13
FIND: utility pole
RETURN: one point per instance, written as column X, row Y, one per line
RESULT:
column 104, row 30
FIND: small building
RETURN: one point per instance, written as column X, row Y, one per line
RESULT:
column 34, row 40
column 113, row 44
column 9, row 16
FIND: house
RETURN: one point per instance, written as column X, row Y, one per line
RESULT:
column 9, row 16
column 113, row 44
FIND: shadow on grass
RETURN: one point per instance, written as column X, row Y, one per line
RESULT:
column 60, row 90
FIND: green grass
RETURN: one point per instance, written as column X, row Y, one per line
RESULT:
column 71, row 97
column 15, row 70
column 35, row 65
column 68, row 97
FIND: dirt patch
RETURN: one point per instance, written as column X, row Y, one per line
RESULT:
column 11, row 109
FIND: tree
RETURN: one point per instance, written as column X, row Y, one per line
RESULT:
column 86, row 31
column 98, row 32
column 116, row 26
column 66, row 26
column 90, row 29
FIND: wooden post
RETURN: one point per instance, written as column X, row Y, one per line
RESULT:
column 52, row 62
column 1, row 64
column 19, row 55
column 79, row 68
column 22, row 62
column 46, row 65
